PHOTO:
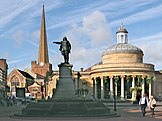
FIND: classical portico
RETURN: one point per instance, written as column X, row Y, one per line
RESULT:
column 125, row 89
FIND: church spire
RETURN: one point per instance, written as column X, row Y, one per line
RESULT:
column 43, row 48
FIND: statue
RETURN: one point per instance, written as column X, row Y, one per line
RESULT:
column 65, row 48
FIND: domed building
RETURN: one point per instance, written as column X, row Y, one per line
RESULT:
column 121, row 70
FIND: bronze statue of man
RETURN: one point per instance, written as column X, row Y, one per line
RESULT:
column 65, row 48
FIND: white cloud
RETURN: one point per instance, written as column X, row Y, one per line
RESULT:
column 152, row 53
column 16, row 61
column 6, row 54
column 18, row 37
column 140, row 16
column 151, row 46
column 88, row 39
column 95, row 26
column 11, row 11
column 36, row 35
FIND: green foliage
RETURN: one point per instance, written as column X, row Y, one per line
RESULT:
column 138, row 88
column 148, row 80
column 132, row 89
column 128, row 78
column 48, row 75
column 116, row 79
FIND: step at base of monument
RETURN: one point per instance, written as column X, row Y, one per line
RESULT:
column 67, row 109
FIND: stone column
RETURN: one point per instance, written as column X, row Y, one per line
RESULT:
column 111, row 87
column 95, row 88
column 133, row 86
column 122, row 86
column 93, row 93
column 102, row 88
column 150, row 86
column 143, row 85
column 153, row 85
column 116, row 89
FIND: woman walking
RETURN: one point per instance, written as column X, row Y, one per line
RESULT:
column 152, row 105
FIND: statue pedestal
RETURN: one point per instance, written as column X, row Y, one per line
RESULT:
column 65, row 85
column 65, row 103
column 65, row 70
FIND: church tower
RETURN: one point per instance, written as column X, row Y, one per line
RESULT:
column 43, row 60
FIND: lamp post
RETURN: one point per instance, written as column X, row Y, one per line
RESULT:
column 115, row 83
column 42, row 89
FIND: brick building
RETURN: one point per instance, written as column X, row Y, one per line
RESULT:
column 3, row 77
column 19, row 79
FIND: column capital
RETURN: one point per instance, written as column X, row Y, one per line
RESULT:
column 111, row 76
column 149, row 77
column 122, row 76
column 143, row 76
column 101, row 77
column 93, row 78
column 133, row 76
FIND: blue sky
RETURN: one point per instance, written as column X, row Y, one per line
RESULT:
column 90, row 26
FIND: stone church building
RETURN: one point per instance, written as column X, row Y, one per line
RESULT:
column 41, row 84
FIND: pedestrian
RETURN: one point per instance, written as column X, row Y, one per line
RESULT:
column 138, row 97
column 152, row 105
column 143, row 103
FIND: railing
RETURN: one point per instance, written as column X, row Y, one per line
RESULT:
column 81, row 93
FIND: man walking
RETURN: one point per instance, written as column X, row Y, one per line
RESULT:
column 143, row 103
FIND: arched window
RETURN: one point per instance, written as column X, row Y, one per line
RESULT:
column 14, row 83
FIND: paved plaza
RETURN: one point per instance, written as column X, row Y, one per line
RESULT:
column 128, row 113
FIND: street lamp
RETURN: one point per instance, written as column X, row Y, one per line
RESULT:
column 115, row 83
column 42, row 89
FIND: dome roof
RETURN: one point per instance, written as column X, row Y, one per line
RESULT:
column 122, row 30
column 123, row 48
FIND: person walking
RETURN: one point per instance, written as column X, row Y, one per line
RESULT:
column 143, row 103
column 138, row 97
column 152, row 105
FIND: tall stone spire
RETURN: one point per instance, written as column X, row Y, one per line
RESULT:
column 43, row 66
column 43, row 48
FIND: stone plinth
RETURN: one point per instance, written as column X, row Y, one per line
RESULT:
column 65, row 70
column 65, row 103
column 68, row 108
column 65, row 86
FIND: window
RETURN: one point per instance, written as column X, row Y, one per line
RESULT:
column 15, row 82
column 35, row 89
column 121, row 38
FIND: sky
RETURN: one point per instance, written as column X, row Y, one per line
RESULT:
column 89, row 25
